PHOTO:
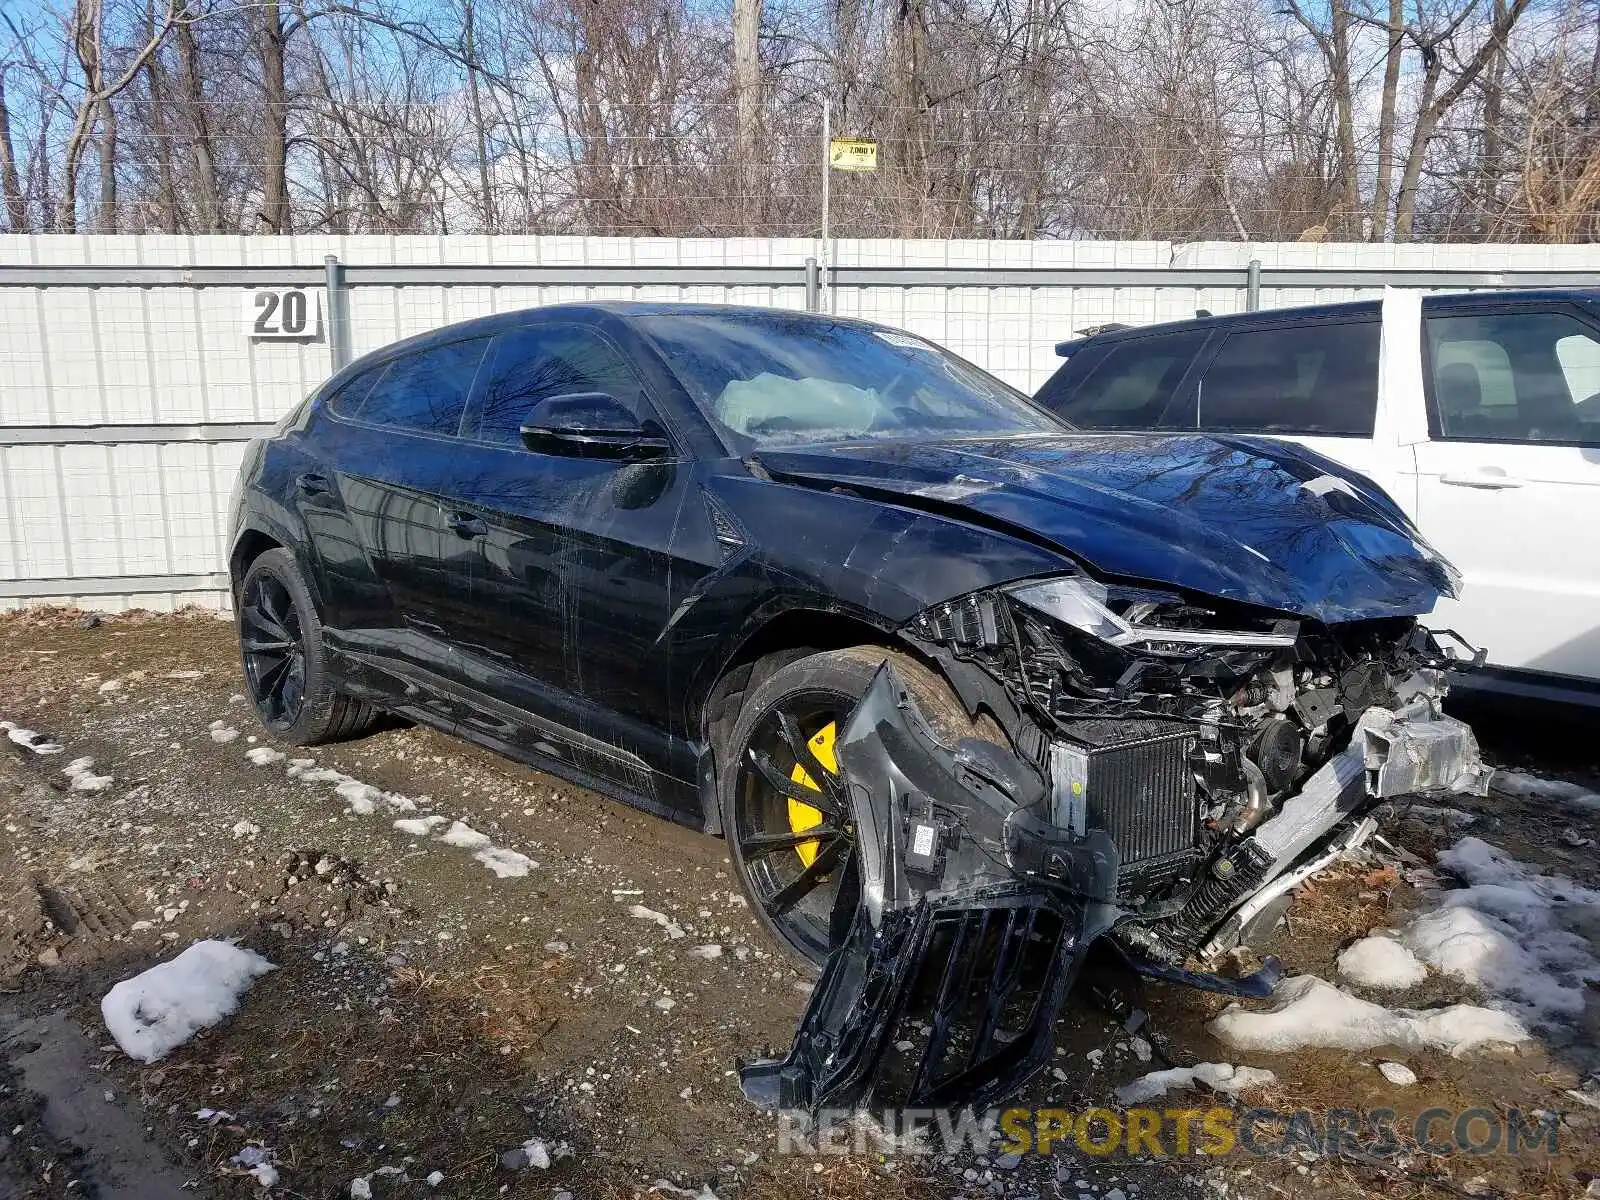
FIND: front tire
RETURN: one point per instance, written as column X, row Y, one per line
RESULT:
column 785, row 809
column 285, row 662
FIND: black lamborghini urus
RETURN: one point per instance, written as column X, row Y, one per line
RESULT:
column 958, row 683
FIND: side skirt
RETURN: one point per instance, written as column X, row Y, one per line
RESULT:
column 672, row 799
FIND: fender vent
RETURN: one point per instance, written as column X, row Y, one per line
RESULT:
column 725, row 528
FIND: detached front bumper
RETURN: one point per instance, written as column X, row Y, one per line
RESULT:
column 971, row 919
column 973, row 909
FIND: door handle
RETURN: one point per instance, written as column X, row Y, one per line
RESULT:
column 468, row 526
column 312, row 484
column 1488, row 479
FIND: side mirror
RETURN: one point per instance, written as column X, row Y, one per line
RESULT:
column 592, row 425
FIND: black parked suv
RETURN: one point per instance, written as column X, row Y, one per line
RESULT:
column 963, row 688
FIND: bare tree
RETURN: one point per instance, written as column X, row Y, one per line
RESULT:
column 1169, row 119
column 1434, row 104
column 100, row 87
column 1394, row 35
column 747, row 97
column 10, row 181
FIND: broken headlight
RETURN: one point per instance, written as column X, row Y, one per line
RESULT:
column 1144, row 619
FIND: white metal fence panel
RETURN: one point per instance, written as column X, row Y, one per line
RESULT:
column 129, row 381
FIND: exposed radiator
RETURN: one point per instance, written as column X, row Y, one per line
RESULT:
column 1132, row 778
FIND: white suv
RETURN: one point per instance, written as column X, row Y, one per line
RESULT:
column 1479, row 413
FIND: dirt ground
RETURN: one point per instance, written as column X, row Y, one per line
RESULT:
column 429, row 1016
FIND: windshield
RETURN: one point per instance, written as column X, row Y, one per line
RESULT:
column 776, row 379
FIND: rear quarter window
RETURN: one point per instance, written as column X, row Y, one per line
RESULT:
column 347, row 398
column 424, row 392
column 1126, row 386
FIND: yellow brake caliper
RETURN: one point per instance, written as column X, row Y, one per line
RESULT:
column 803, row 816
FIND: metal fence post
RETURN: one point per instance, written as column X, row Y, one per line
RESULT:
column 813, row 286
column 338, row 320
column 1252, row 286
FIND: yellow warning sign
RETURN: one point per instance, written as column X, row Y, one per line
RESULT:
column 853, row 154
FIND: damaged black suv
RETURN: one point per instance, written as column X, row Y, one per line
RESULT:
column 965, row 690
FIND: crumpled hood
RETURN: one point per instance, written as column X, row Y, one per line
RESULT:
column 1249, row 519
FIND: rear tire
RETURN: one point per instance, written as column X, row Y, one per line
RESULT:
column 285, row 661
column 785, row 730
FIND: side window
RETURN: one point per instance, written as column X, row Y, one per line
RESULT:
column 347, row 401
column 1514, row 377
column 426, row 391
column 1315, row 379
column 1129, row 387
column 532, row 364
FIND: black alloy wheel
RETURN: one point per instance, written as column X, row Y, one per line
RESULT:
column 286, row 670
column 791, row 832
column 785, row 805
column 274, row 652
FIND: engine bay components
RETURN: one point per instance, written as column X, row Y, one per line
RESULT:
column 1173, row 772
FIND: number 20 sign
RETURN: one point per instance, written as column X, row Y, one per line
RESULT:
column 282, row 313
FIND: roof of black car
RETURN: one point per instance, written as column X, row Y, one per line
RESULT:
column 498, row 322
column 1447, row 301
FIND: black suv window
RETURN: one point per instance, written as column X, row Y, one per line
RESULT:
column 1128, row 388
column 347, row 401
column 1293, row 379
column 540, row 361
column 1515, row 377
column 425, row 391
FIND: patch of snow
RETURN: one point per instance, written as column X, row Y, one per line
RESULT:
column 263, row 756
column 1531, row 787
column 668, row 1188
column 310, row 773
column 110, row 685
column 1518, row 934
column 158, row 1010
column 361, row 1188
column 465, row 836
column 537, row 1153
column 674, row 930
column 419, row 826
column 81, row 772
column 28, row 739
column 1397, row 1073
column 1310, row 1012
column 257, row 1161
column 222, row 733
column 362, row 798
column 706, row 952
column 435, row 1178
column 1219, row 1077
column 1381, row 962
column 246, row 829
column 507, row 864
